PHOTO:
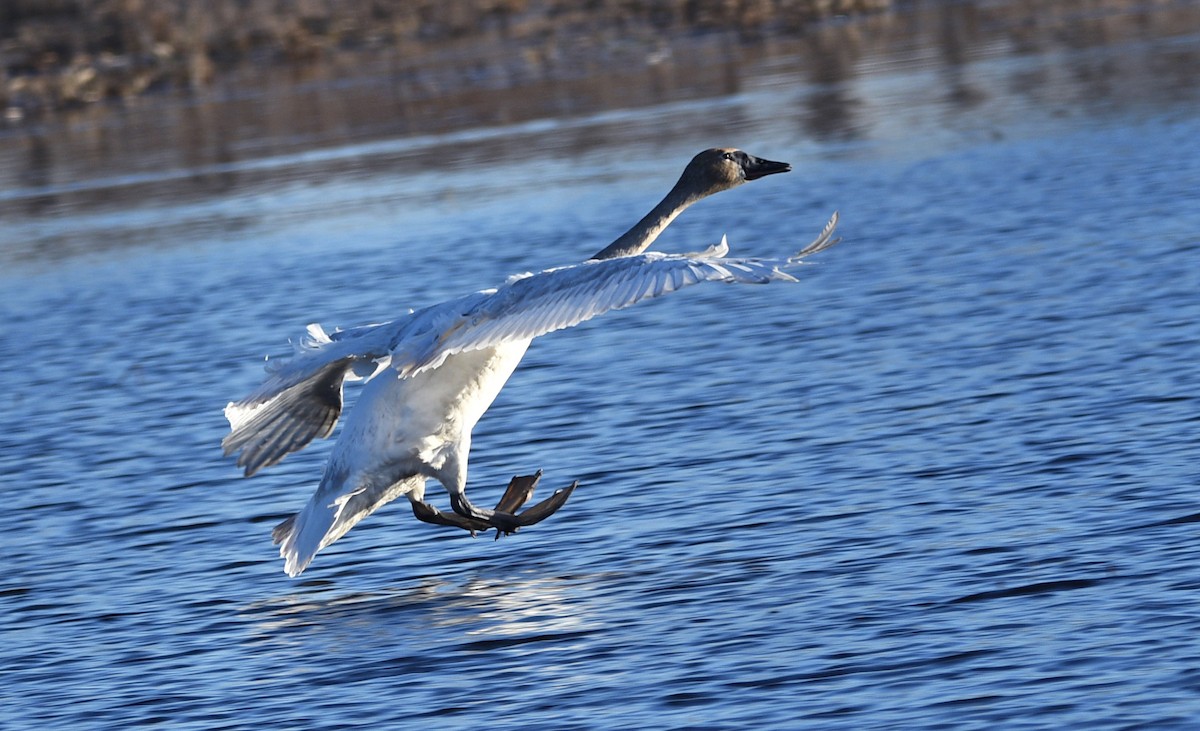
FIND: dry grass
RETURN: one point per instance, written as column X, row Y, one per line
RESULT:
column 56, row 54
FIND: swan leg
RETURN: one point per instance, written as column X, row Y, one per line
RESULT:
column 430, row 514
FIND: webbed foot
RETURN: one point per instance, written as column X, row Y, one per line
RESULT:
column 504, row 517
column 430, row 514
column 519, row 490
column 545, row 508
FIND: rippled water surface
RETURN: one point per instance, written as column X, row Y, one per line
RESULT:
column 947, row 481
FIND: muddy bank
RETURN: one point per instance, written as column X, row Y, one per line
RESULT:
column 60, row 54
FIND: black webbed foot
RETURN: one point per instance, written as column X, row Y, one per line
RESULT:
column 539, row 512
column 504, row 518
column 549, row 506
column 429, row 514
column 518, row 492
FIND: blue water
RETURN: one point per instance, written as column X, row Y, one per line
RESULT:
column 949, row 480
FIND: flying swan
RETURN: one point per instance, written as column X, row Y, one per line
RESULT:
column 432, row 374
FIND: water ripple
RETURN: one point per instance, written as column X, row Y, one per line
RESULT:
column 948, row 481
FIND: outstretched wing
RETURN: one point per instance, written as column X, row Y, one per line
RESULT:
column 536, row 304
column 301, row 399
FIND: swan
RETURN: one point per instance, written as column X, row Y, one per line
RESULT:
column 433, row 373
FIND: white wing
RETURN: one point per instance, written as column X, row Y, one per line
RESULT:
column 536, row 304
column 301, row 400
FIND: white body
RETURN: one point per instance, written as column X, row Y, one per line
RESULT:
column 401, row 431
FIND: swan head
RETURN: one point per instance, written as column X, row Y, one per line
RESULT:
column 722, row 168
column 712, row 171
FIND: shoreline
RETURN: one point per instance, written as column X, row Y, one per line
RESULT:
column 452, row 86
column 62, row 55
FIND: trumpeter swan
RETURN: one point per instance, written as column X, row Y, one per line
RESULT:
column 432, row 374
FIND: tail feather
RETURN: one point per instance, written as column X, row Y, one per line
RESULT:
column 333, row 510
column 302, row 535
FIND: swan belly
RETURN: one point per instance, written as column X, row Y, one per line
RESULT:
column 422, row 424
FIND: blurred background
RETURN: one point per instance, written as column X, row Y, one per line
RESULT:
column 948, row 480
column 114, row 103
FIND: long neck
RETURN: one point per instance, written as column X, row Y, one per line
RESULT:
column 644, row 232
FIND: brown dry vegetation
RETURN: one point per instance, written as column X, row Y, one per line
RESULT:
column 57, row 54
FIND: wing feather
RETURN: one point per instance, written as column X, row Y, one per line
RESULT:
column 554, row 299
column 301, row 399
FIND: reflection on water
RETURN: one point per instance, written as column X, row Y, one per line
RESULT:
column 156, row 153
column 476, row 609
